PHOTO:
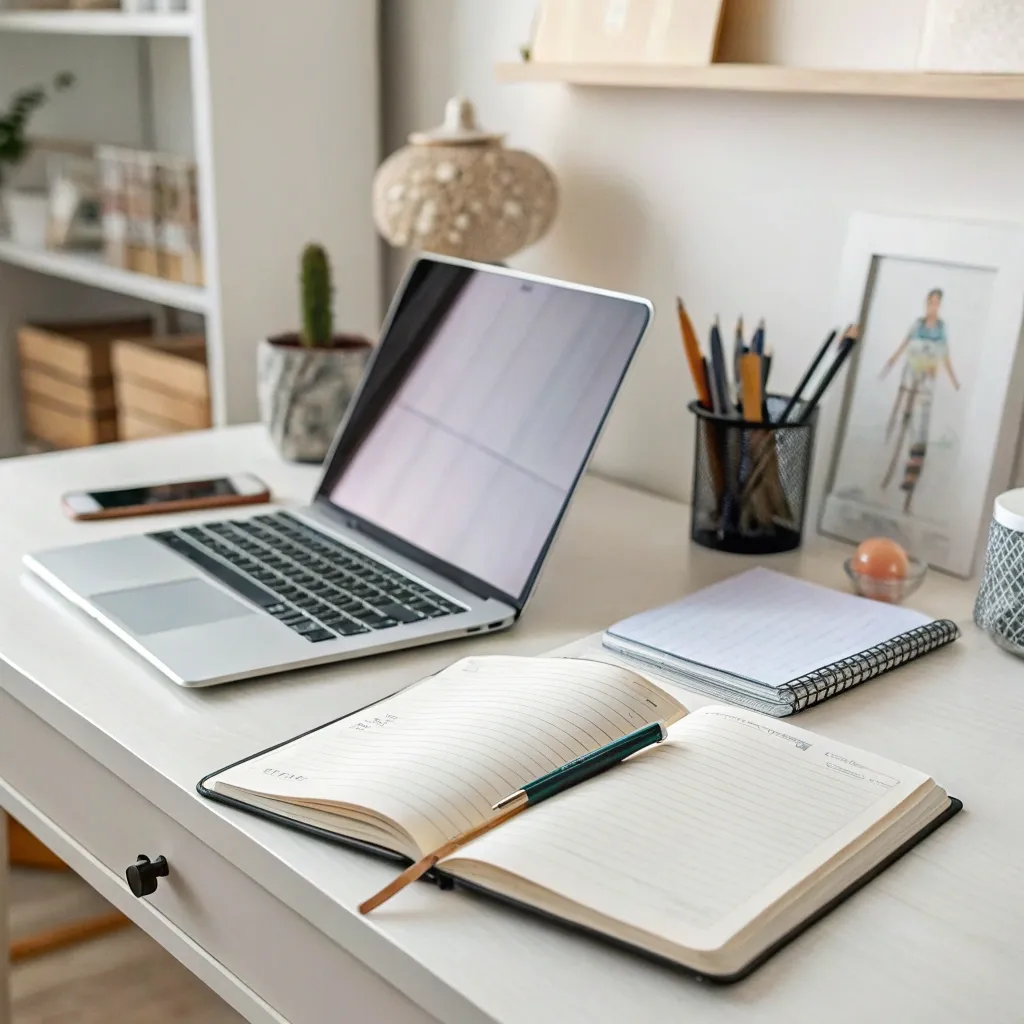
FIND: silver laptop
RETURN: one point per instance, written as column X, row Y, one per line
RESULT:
column 438, row 504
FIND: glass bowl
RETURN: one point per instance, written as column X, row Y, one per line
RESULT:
column 890, row 591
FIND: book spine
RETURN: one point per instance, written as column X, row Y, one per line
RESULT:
column 823, row 683
column 180, row 257
column 194, row 273
column 114, row 198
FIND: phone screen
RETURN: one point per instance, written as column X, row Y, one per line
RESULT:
column 160, row 494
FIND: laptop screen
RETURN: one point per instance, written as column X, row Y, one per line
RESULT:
column 478, row 414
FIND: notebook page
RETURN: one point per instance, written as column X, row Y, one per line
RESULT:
column 768, row 627
column 692, row 839
column 436, row 757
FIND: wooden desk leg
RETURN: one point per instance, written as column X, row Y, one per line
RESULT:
column 5, row 977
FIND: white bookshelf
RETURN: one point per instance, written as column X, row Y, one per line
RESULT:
column 278, row 103
column 96, row 23
column 94, row 271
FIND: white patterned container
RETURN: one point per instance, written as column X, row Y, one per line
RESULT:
column 973, row 36
column 999, row 609
column 304, row 392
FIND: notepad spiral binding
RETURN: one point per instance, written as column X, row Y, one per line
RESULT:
column 844, row 675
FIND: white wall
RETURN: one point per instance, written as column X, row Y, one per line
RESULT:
column 737, row 202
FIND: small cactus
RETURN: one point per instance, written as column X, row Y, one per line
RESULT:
column 317, row 298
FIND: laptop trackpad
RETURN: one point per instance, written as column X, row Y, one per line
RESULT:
column 165, row 606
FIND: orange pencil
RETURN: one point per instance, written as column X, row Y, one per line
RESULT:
column 751, row 392
column 693, row 355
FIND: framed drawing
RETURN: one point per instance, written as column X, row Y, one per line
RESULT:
column 627, row 31
column 932, row 412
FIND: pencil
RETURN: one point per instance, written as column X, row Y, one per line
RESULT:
column 757, row 342
column 693, row 355
column 806, row 379
column 751, row 393
column 845, row 348
column 719, row 379
column 557, row 781
column 705, row 376
column 739, row 350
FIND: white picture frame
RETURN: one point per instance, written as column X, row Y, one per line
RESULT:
column 954, row 430
column 675, row 32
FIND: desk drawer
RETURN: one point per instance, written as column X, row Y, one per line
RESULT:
column 290, row 964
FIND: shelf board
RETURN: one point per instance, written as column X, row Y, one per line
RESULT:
column 777, row 79
column 92, row 270
column 96, row 23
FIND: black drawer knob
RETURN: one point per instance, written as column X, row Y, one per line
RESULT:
column 143, row 875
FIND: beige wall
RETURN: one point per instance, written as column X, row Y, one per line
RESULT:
column 737, row 202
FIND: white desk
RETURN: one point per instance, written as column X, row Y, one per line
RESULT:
column 99, row 756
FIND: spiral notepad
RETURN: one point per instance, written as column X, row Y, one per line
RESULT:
column 776, row 644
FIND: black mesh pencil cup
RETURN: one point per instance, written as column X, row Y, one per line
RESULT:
column 750, row 480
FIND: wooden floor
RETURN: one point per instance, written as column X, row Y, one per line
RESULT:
column 122, row 977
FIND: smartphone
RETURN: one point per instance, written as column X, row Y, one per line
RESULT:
column 184, row 496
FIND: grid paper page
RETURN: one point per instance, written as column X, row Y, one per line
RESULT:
column 436, row 757
column 767, row 627
column 701, row 832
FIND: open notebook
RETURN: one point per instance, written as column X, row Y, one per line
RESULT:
column 709, row 850
column 776, row 644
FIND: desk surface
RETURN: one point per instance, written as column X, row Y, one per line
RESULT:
column 939, row 937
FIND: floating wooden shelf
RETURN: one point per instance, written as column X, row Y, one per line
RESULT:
column 777, row 79
column 92, row 270
column 96, row 23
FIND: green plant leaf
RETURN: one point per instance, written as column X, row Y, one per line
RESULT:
column 14, row 143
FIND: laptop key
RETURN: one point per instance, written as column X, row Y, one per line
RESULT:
column 235, row 581
column 375, row 621
column 348, row 627
column 319, row 636
column 399, row 612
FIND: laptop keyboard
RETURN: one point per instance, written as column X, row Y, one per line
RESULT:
column 315, row 585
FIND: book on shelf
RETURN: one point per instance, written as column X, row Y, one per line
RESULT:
column 709, row 851
column 141, row 204
column 178, row 242
column 113, row 165
column 151, row 213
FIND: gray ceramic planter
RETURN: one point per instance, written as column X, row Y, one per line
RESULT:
column 304, row 392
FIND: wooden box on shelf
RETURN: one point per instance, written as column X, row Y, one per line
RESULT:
column 67, row 383
column 162, row 386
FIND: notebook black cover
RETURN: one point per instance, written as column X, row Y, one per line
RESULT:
column 448, row 881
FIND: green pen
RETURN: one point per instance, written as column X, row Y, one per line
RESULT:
column 585, row 767
column 560, row 779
